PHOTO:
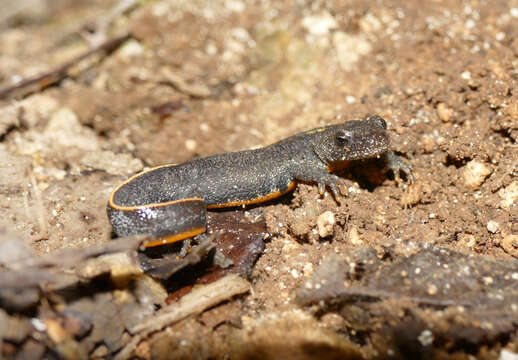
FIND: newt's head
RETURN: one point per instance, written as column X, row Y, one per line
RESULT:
column 352, row 140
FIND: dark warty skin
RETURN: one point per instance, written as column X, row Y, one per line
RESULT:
column 169, row 202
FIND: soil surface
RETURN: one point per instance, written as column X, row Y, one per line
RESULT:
column 427, row 269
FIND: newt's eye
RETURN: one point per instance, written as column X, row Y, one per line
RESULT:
column 379, row 121
column 343, row 138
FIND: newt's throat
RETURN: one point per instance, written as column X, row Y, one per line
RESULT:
column 338, row 166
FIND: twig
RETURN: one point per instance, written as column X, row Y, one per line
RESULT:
column 40, row 82
column 344, row 293
column 40, row 207
column 195, row 302
column 72, row 257
column 176, row 81
column 166, row 270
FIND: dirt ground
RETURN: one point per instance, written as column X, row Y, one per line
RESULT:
column 395, row 270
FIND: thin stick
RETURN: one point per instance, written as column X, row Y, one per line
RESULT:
column 40, row 82
column 193, row 303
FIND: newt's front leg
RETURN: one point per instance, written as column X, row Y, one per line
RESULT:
column 397, row 165
column 320, row 175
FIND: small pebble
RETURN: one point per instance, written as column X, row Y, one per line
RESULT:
column 507, row 355
column 325, row 224
column 428, row 144
column 444, row 112
column 467, row 240
column 320, row 24
column 130, row 49
column 190, row 144
column 493, row 226
column 333, row 322
column 466, row 75
column 425, row 338
column 295, row 274
column 354, row 236
column 474, row 174
column 115, row 164
column 432, row 289
column 508, row 195
column 349, row 49
column 510, row 244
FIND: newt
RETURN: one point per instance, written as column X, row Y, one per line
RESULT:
column 170, row 202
